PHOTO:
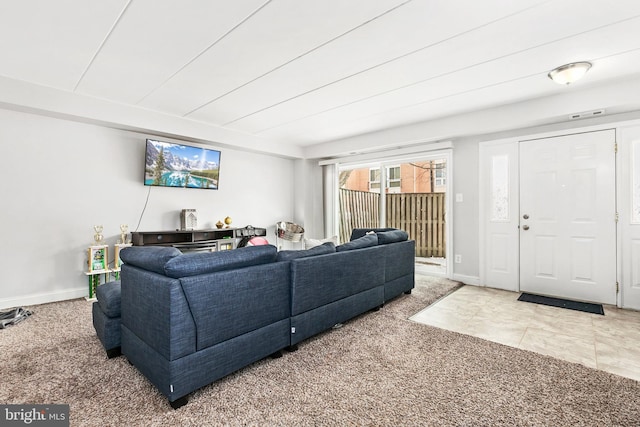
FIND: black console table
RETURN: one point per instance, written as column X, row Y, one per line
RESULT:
column 210, row 240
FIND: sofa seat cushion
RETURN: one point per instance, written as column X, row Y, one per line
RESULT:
column 325, row 248
column 392, row 236
column 365, row 241
column 150, row 258
column 193, row 264
column 108, row 296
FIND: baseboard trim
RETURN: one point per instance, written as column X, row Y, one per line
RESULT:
column 43, row 298
column 467, row 280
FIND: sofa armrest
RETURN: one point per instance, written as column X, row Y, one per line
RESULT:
column 399, row 259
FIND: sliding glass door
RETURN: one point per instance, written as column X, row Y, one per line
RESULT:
column 409, row 194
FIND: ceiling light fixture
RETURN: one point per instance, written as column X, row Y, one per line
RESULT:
column 569, row 73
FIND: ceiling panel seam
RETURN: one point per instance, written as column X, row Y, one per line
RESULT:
column 284, row 64
column 413, row 52
column 232, row 29
column 104, row 41
column 439, row 76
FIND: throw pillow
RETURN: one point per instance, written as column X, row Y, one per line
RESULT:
column 385, row 237
column 363, row 242
column 356, row 233
column 312, row 243
column 325, row 248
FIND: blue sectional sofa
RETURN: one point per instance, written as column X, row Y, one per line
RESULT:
column 188, row 320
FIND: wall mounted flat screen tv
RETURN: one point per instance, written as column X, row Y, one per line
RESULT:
column 177, row 165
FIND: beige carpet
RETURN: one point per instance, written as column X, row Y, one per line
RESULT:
column 379, row 369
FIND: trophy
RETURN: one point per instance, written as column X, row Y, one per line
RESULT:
column 124, row 229
column 98, row 236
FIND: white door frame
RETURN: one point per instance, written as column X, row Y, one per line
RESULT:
column 629, row 214
column 440, row 151
column 483, row 219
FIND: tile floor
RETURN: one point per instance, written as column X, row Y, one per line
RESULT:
column 610, row 342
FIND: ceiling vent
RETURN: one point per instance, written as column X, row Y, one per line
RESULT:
column 586, row 114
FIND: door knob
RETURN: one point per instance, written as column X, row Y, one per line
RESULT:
column 525, row 227
column 525, row 216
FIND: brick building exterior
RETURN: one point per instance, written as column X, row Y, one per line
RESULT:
column 416, row 177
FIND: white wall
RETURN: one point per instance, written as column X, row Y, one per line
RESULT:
column 466, row 238
column 465, row 213
column 60, row 178
column 309, row 198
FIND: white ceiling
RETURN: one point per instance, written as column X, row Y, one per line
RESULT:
column 306, row 72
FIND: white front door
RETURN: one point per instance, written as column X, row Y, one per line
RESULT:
column 568, row 217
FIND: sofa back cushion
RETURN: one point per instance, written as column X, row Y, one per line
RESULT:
column 193, row 264
column 392, row 236
column 356, row 233
column 228, row 304
column 154, row 309
column 150, row 258
column 365, row 241
column 318, row 281
column 325, row 248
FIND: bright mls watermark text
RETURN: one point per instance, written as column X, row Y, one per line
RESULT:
column 34, row 415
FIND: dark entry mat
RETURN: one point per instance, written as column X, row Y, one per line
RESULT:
column 563, row 303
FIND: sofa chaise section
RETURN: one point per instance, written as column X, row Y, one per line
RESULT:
column 188, row 320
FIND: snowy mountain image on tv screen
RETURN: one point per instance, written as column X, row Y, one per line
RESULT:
column 177, row 165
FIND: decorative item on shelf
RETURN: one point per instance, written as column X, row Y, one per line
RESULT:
column 219, row 224
column 98, row 236
column 228, row 221
column 188, row 219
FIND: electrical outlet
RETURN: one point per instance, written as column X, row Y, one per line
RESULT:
column 458, row 259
